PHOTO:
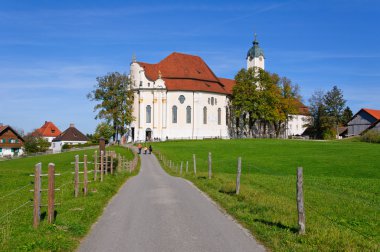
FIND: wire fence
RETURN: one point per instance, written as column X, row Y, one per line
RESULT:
column 12, row 203
column 228, row 166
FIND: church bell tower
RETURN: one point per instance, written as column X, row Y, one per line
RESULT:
column 255, row 56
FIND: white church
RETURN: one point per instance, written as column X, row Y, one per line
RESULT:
column 181, row 98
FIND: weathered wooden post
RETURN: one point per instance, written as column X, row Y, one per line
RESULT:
column 180, row 170
column 76, row 176
column 51, row 177
column 111, row 166
column 37, row 195
column 300, row 203
column 95, row 165
column 209, row 166
column 101, row 165
column 118, row 163
column 85, row 177
column 238, row 176
column 106, row 162
column 195, row 165
column 187, row 166
column 102, row 144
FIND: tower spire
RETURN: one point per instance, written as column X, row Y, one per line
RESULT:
column 133, row 57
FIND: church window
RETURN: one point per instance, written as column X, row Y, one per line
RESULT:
column 174, row 114
column 216, row 103
column 212, row 101
column 148, row 84
column 188, row 114
column 181, row 99
column 148, row 114
column 219, row 116
column 209, row 100
column 204, row 115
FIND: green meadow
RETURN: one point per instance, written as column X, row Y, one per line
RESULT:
column 74, row 216
column 341, row 189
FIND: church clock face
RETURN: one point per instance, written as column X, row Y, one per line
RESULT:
column 261, row 58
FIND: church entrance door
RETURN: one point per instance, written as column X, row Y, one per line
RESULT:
column 148, row 134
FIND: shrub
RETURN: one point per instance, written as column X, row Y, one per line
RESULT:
column 371, row 136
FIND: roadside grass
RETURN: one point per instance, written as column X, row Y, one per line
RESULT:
column 74, row 216
column 341, row 189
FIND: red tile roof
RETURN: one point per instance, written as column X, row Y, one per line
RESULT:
column 49, row 130
column 373, row 112
column 228, row 84
column 185, row 72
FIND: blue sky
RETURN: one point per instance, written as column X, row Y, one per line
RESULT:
column 52, row 51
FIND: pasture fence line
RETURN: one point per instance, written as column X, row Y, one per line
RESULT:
column 209, row 164
column 299, row 196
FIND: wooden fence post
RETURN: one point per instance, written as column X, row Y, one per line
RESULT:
column 95, row 165
column 101, row 165
column 85, row 178
column 106, row 162
column 300, row 203
column 195, row 165
column 111, row 163
column 180, row 170
column 118, row 163
column 187, row 166
column 76, row 176
column 51, row 177
column 37, row 195
column 209, row 166
column 238, row 176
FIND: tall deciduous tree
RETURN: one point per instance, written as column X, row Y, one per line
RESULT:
column 104, row 130
column 114, row 93
column 263, row 99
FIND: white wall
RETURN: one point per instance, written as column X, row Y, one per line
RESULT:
column 8, row 152
column 296, row 124
column 154, row 94
column 57, row 146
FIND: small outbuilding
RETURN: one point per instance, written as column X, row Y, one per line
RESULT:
column 363, row 120
column 71, row 136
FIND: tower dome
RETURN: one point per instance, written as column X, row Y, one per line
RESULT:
column 255, row 51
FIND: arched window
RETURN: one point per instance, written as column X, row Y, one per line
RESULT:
column 148, row 114
column 204, row 115
column 219, row 116
column 212, row 101
column 188, row 114
column 174, row 114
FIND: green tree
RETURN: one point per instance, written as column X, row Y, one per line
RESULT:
column 35, row 143
column 114, row 93
column 320, row 124
column 104, row 130
column 346, row 116
column 335, row 103
column 263, row 99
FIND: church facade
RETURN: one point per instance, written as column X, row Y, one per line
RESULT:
column 181, row 98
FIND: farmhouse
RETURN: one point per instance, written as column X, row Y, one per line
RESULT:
column 181, row 98
column 48, row 131
column 363, row 120
column 10, row 142
column 71, row 136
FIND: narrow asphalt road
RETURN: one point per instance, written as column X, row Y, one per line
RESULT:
column 156, row 212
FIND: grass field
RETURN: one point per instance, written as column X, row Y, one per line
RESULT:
column 341, row 187
column 74, row 216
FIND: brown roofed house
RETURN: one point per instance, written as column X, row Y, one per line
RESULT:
column 71, row 136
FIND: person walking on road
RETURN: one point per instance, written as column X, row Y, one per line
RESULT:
column 150, row 149
column 145, row 149
column 139, row 146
